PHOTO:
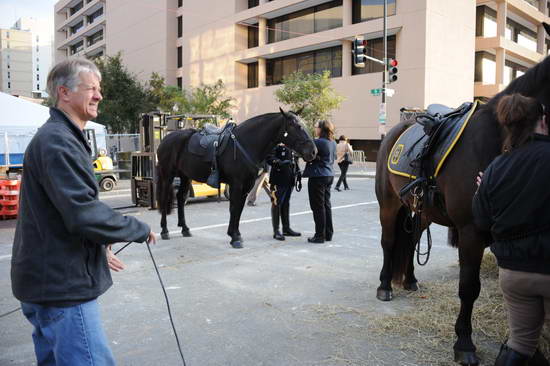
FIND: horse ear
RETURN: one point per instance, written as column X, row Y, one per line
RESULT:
column 299, row 111
column 546, row 27
column 285, row 114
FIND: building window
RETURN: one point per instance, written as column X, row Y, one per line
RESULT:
column 77, row 47
column 75, row 28
column 485, row 69
column 37, row 77
column 8, row 44
column 252, row 75
column 311, row 20
column 37, row 49
column 8, row 66
column 253, row 35
column 180, row 3
column 9, row 85
column 180, row 82
column 76, row 8
column 308, row 62
column 180, row 56
column 37, row 39
column 96, row 14
column 96, row 37
column 364, row 10
column 37, row 86
column 375, row 48
column 180, row 26
column 253, row 3
column 8, row 35
column 9, row 75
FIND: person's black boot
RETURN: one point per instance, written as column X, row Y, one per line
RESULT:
column 538, row 359
column 275, row 221
column 285, row 218
column 508, row 357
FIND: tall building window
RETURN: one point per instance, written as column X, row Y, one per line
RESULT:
column 75, row 28
column 96, row 37
column 9, row 85
column 363, row 10
column 253, row 35
column 180, row 82
column 8, row 35
column 9, row 75
column 252, row 75
column 180, row 57
column 77, row 47
column 76, row 8
column 375, row 48
column 37, row 86
column 311, row 20
column 180, row 26
column 37, row 77
column 96, row 14
column 180, row 3
column 308, row 62
column 8, row 44
column 253, row 3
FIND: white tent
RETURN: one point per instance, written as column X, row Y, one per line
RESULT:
column 19, row 120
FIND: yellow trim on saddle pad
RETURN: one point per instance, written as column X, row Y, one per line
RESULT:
column 398, row 148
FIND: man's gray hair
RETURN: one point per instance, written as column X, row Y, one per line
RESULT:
column 66, row 73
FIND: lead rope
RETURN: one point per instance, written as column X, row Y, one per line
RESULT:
column 165, row 297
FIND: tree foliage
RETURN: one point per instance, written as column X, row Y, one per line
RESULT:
column 311, row 94
column 124, row 97
column 205, row 99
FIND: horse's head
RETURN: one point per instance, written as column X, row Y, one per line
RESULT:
column 296, row 137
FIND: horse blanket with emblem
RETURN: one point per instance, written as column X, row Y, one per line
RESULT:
column 410, row 146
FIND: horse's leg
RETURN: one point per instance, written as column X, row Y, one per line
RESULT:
column 164, row 234
column 388, row 220
column 236, row 204
column 181, row 196
column 470, row 252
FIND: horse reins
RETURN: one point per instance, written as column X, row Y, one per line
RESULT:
column 165, row 297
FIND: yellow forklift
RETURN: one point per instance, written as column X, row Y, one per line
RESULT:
column 105, row 174
column 153, row 127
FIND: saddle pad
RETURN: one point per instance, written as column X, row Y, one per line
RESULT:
column 411, row 142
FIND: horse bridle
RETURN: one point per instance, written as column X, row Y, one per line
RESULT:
column 283, row 134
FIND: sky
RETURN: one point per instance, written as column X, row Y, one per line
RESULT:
column 12, row 10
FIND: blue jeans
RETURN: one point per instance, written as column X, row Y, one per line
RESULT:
column 69, row 335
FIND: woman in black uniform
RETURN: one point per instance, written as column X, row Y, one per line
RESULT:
column 284, row 170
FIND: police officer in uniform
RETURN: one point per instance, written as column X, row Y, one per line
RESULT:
column 284, row 170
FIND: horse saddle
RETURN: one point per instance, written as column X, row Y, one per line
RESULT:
column 422, row 149
column 210, row 141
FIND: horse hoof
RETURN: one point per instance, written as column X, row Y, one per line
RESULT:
column 237, row 244
column 413, row 286
column 186, row 233
column 384, row 295
column 165, row 236
column 468, row 358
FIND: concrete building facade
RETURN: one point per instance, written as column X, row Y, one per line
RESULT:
column 443, row 48
column 42, row 51
column 16, row 75
column 147, row 33
column 79, row 29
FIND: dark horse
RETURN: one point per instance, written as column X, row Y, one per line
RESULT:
column 480, row 143
column 257, row 136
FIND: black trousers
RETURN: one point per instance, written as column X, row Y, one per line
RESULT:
column 319, row 201
column 343, row 175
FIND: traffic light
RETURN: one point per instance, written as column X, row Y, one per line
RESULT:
column 359, row 51
column 392, row 70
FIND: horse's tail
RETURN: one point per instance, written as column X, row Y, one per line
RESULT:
column 452, row 237
column 403, row 248
column 168, row 154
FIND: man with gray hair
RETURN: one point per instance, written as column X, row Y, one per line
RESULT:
column 61, row 252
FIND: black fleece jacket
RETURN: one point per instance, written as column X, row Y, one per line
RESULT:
column 513, row 203
column 58, row 256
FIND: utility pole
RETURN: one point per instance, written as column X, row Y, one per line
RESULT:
column 382, row 116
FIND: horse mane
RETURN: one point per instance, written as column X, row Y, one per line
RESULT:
column 527, row 84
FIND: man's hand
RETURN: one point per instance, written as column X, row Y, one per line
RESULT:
column 151, row 239
column 114, row 263
column 478, row 178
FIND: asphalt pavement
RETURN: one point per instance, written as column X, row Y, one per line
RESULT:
column 272, row 303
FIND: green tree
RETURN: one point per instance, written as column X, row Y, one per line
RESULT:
column 124, row 97
column 311, row 95
column 207, row 99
